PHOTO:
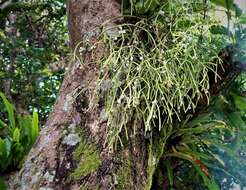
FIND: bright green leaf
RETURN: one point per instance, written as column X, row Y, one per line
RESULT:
column 10, row 109
column 2, row 147
column 242, row 19
column 16, row 135
column 35, row 127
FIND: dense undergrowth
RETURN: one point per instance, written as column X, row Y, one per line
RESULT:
column 18, row 133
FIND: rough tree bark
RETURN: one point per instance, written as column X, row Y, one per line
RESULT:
column 51, row 164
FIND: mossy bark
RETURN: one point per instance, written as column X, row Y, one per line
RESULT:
column 70, row 152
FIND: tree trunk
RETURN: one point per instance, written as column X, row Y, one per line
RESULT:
column 70, row 151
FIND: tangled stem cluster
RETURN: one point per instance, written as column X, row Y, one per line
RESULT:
column 155, row 70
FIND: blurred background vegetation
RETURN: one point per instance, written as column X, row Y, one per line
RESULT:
column 33, row 53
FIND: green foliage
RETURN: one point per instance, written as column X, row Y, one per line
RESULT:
column 155, row 151
column 139, row 7
column 2, row 184
column 150, row 7
column 158, row 67
column 10, row 109
column 219, row 29
column 213, row 143
column 33, row 52
column 17, row 135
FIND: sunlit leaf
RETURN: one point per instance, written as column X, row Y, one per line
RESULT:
column 16, row 135
column 10, row 109
column 47, row 72
column 35, row 127
column 2, row 35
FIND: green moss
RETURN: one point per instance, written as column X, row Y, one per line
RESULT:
column 87, row 156
column 151, row 168
column 155, row 151
column 124, row 176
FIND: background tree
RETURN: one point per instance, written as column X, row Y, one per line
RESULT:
column 33, row 53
